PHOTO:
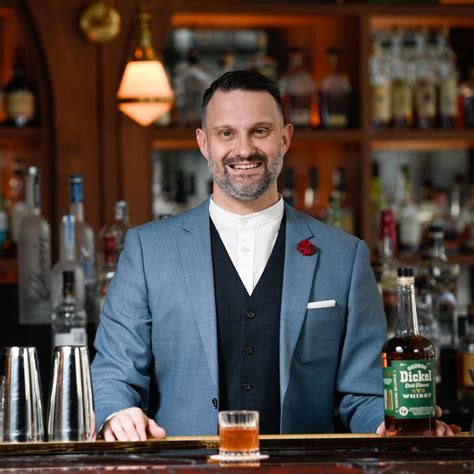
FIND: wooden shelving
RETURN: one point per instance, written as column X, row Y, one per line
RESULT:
column 15, row 134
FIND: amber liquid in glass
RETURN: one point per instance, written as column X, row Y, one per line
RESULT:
column 408, row 348
column 238, row 440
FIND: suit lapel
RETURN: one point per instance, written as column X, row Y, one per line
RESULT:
column 298, row 279
column 194, row 246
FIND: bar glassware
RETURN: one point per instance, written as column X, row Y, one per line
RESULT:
column 21, row 398
column 71, row 412
column 238, row 435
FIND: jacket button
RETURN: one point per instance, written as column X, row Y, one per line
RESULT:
column 250, row 315
column 248, row 350
column 214, row 403
column 246, row 387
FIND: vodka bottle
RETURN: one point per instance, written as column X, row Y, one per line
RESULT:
column 297, row 90
column 409, row 372
column 67, row 262
column 34, row 257
column 69, row 320
column 85, row 241
column 381, row 83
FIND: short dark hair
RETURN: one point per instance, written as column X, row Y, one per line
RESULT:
column 243, row 80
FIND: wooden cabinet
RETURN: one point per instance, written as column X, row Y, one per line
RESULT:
column 315, row 27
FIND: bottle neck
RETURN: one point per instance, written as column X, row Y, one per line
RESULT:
column 76, row 203
column 436, row 249
column 68, row 245
column 33, row 193
column 407, row 322
column 77, row 210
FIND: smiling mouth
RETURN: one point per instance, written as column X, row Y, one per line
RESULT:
column 245, row 166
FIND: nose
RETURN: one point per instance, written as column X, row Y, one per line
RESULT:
column 244, row 146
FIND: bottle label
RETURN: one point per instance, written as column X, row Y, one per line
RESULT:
column 425, row 97
column 382, row 102
column 76, row 337
column 466, row 363
column 409, row 389
column 401, row 99
column 447, row 97
column 337, row 120
column 21, row 104
column 77, row 192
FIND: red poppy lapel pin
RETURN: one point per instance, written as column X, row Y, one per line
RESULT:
column 306, row 248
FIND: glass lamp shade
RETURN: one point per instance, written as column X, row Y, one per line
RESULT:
column 145, row 92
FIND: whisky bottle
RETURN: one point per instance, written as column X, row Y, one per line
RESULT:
column 381, row 84
column 69, row 320
column 466, row 357
column 409, row 374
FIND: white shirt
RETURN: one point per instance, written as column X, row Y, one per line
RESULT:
column 248, row 239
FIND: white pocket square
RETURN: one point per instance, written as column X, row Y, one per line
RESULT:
column 321, row 304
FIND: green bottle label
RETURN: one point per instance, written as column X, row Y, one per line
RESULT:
column 409, row 388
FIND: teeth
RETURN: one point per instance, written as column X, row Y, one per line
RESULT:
column 246, row 167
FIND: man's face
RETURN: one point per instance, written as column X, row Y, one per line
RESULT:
column 244, row 141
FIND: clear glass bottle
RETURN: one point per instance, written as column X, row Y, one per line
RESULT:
column 381, row 82
column 34, row 257
column 335, row 94
column 69, row 320
column 409, row 372
column 262, row 61
column 20, row 95
column 386, row 268
column 297, row 90
column 425, row 82
column 107, row 269
column 311, row 193
column 447, row 81
column 67, row 262
column 84, row 240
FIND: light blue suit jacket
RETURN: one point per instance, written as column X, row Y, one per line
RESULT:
column 157, row 339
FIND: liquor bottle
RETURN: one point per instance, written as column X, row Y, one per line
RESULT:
column 377, row 196
column 3, row 229
column 381, row 83
column 334, row 94
column 443, row 278
column 466, row 357
column 311, row 193
column 409, row 372
column 466, row 99
column 117, row 229
column 20, row 96
column 34, row 257
column 261, row 61
column 386, row 268
column 69, row 319
column 191, row 80
column 425, row 82
column 162, row 202
column 107, row 269
column 84, row 240
column 297, row 90
column 402, row 78
column 466, row 222
column 181, row 194
column 67, row 262
column 17, row 204
column 447, row 80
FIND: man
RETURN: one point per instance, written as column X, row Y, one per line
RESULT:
column 242, row 302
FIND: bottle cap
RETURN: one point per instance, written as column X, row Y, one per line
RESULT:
column 405, row 272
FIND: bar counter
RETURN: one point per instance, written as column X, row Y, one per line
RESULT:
column 348, row 454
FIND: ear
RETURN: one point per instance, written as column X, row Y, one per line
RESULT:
column 201, row 138
column 286, row 134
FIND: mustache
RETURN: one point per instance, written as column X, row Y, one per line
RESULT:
column 255, row 158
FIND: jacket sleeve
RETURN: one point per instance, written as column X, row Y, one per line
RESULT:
column 359, row 379
column 119, row 371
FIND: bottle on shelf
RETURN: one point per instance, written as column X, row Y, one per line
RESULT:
column 16, row 199
column 311, row 193
column 85, row 242
column 34, row 257
column 162, row 202
column 181, row 196
column 335, row 94
column 69, row 320
column 409, row 371
column 191, row 80
column 447, row 80
column 297, row 90
column 466, row 99
column 466, row 357
column 381, row 82
column 67, row 262
column 386, row 266
column 107, row 269
column 262, row 61
column 20, row 95
column 289, row 183
column 402, row 78
column 3, row 229
column 425, row 81
column 466, row 223
column 377, row 197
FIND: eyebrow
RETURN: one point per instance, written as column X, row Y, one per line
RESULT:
column 255, row 125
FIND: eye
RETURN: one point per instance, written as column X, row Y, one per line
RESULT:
column 261, row 131
column 226, row 133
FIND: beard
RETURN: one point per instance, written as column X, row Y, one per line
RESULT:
column 246, row 187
